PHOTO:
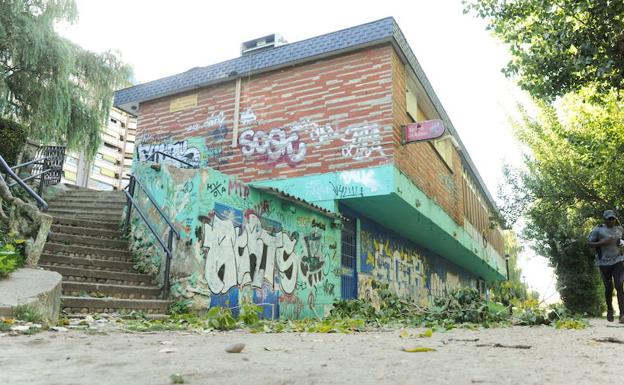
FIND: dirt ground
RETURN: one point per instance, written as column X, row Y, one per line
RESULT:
column 115, row 357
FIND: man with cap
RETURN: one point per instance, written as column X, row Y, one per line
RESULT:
column 605, row 239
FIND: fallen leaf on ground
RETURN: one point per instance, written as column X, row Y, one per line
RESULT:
column 419, row 349
column 404, row 334
column 427, row 333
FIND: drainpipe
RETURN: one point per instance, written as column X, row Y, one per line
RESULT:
column 236, row 113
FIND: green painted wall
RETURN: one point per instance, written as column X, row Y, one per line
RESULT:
column 239, row 244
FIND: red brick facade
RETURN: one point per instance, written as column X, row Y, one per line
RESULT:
column 333, row 114
column 338, row 111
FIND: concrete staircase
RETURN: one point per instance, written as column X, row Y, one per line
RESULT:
column 86, row 247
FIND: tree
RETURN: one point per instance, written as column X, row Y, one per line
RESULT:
column 59, row 91
column 513, row 288
column 558, row 46
column 574, row 172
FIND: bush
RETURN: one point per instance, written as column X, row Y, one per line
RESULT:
column 11, row 251
column 12, row 140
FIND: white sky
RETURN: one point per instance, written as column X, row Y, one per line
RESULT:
column 462, row 61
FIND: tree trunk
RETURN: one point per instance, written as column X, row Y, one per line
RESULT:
column 26, row 221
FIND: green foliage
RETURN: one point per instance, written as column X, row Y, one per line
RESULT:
column 181, row 306
column 250, row 313
column 572, row 174
column 221, row 318
column 11, row 253
column 60, row 91
column 12, row 140
column 558, row 46
column 28, row 313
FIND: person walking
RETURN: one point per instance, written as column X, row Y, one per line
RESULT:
column 605, row 239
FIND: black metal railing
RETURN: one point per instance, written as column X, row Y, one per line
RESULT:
column 47, row 168
column 156, row 158
column 168, row 248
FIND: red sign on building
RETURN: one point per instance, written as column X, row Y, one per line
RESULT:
column 426, row 130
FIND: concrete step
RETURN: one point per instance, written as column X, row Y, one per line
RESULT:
column 88, row 214
column 94, row 199
column 99, row 276
column 93, row 224
column 109, row 305
column 75, row 230
column 108, row 206
column 98, row 290
column 86, row 263
column 84, row 240
column 74, row 251
column 91, row 194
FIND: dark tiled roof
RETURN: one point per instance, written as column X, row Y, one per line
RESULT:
column 376, row 32
column 346, row 39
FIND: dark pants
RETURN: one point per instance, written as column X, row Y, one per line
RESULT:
column 613, row 274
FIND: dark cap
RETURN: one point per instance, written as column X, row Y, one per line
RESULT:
column 608, row 214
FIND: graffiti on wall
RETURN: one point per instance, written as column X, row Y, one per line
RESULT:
column 247, row 117
column 360, row 142
column 408, row 271
column 248, row 255
column 217, row 119
column 179, row 149
column 277, row 144
column 241, row 244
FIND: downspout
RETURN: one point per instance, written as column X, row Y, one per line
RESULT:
column 236, row 113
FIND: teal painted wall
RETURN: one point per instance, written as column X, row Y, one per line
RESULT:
column 239, row 244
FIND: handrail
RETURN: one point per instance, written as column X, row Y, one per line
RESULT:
column 151, row 157
column 147, row 222
column 129, row 191
column 31, row 162
column 9, row 172
column 153, row 201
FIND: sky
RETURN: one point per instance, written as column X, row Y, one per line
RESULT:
column 460, row 58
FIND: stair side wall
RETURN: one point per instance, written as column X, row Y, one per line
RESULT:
column 239, row 244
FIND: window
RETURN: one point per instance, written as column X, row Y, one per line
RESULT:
column 444, row 147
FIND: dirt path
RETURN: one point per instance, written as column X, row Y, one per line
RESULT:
column 555, row 357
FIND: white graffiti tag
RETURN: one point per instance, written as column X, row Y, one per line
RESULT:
column 214, row 120
column 320, row 135
column 248, row 256
column 276, row 144
column 179, row 149
column 361, row 141
column 364, row 177
column 247, row 117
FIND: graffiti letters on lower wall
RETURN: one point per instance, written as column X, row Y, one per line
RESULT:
column 239, row 244
column 408, row 270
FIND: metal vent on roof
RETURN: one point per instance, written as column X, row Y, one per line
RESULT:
column 261, row 43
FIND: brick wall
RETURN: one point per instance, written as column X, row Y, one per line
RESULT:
column 420, row 161
column 317, row 117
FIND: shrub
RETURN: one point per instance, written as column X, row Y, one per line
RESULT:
column 11, row 251
column 12, row 140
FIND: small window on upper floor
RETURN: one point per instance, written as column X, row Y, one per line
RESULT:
column 444, row 147
column 412, row 104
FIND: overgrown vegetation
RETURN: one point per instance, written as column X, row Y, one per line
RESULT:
column 461, row 308
column 11, row 253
